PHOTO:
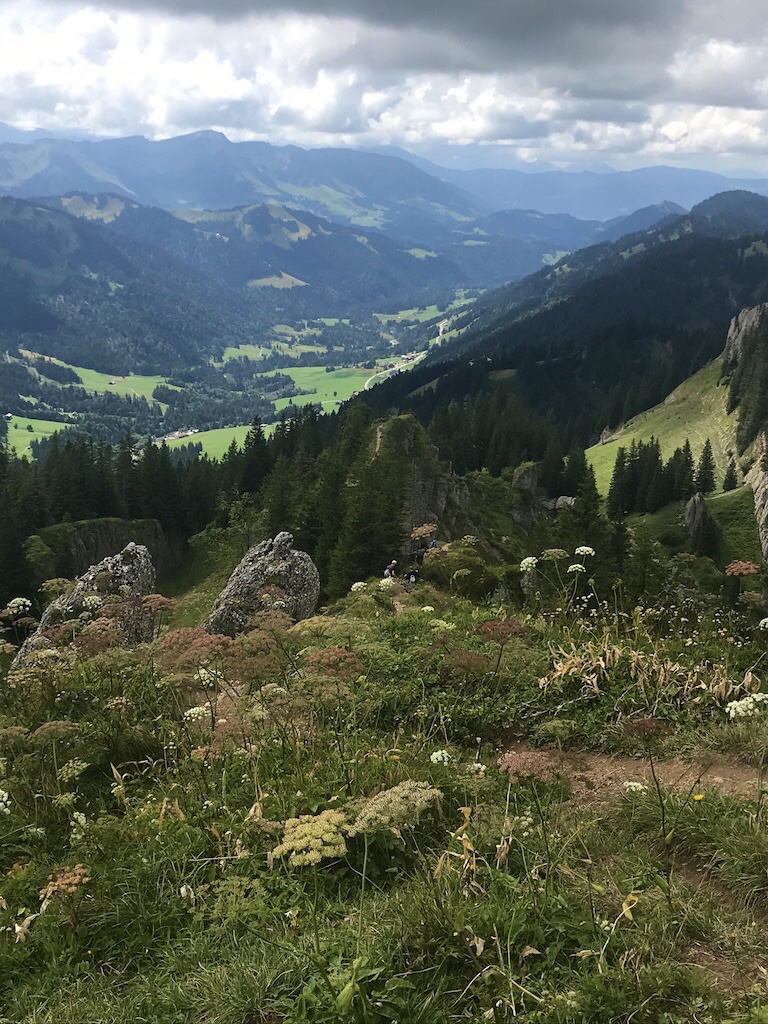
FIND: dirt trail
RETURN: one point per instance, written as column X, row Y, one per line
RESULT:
column 596, row 778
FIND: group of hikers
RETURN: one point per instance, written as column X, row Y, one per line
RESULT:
column 411, row 575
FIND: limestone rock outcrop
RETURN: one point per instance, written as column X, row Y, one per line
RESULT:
column 129, row 574
column 272, row 576
column 741, row 327
column 696, row 519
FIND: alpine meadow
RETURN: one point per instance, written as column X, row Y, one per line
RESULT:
column 384, row 504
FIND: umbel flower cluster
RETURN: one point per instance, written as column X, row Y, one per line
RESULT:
column 557, row 555
column 198, row 714
column 312, row 838
column 751, row 706
column 5, row 802
column 396, row 808
column 20, row 606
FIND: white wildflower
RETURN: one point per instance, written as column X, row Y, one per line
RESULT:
column 762, row 624
column 585, row 551
column 440, row 757
column 358, row 587
column 92, row 603
column 529, row 564
column 442, row 624
column 576, row 568
column 5, row 802
column 78, row 823
column 635, row 788
column 428, row 608
column 188, row 893
column 751, row 706
column 388, row 583
column 208, row 677
column 20, row 606
column 475, row 768
column 194, row 716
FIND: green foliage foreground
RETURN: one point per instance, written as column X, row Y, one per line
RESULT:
column 333, row 821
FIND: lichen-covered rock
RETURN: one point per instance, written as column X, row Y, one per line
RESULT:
column 271, row 577
column 127, row 575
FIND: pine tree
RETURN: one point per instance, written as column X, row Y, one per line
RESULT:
column 255, row 458
column 730, row 481
column 617, row 493
column 552, row 468
column 704, row 480
column 575, row 471
column 684, row 484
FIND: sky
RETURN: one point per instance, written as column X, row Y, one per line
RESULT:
column 473, row 82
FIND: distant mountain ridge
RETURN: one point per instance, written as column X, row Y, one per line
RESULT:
column 406, row 197
column 589, row 194
column 729, row 215
column 207, row 171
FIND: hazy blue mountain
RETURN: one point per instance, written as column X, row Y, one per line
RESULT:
column 640, row 220
column 207, row 171
column 588, row 195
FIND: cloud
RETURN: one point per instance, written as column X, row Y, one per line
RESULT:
column 544, row 79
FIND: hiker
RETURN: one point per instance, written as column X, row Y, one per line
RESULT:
column 412, row 576
column 434, row 543
column 420, row 555
column 391, row 569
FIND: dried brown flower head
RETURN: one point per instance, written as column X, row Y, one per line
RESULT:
column 528, row 765
column 499, row 631
column 65, row 882
column 467, row 663
column 335, row 662
column 739, row 568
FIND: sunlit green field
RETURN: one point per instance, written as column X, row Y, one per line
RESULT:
column 216, row 442
column 329, row 387
column 20, row 437
column 99, row 383
column 425, row 313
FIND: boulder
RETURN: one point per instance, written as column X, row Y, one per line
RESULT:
column 271, row 577
column 129, row 574
column 699, row 525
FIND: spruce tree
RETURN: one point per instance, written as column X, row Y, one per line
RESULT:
column 552, row 468
column 704, row 480
column 730, row 481
column 255, row 459
column 617, row 493
column 684, row 484
column 575, row 471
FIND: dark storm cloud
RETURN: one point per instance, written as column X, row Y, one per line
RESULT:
column 511, row 31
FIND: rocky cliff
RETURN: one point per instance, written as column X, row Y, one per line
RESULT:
column 757, row 478
column 69, row 549
column 741, row 326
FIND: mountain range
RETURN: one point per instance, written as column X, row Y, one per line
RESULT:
column 389, row 190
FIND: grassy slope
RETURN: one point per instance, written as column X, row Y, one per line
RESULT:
column 329, row 387
column 20, row 438
column 734, row 514
column 695, row 410
column 132, row 386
